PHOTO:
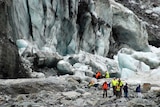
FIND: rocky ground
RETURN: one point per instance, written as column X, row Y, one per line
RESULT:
column 68, row 91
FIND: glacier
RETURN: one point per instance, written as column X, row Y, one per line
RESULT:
column 68, row 34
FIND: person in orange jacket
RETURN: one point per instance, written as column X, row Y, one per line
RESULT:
column 98, row 75
column 105, row 88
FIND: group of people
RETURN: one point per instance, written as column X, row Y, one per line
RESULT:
column 99, row 75
column 117, row 85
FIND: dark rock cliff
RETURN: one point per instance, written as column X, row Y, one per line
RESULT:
column 10, row 63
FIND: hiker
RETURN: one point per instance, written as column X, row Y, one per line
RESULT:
column 105, row 88
column 138, row 91
column 107, row 75
column 91, row 83
column 125, row 89
column 118, row 90
column 98, row 75
column 109, row 85
column 121, row 85
column 114, row 83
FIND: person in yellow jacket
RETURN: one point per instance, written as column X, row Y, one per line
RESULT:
column 114, row 83
column 120, row 83
column 107, row 74
column 118, row 91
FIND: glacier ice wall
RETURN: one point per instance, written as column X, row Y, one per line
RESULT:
column 65, row 26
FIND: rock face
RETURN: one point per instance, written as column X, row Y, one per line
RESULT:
column 9, row 58
column 128, row 28
column 148, row 11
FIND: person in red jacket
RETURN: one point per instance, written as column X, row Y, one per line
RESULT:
column 98, row 75
column 105, row 88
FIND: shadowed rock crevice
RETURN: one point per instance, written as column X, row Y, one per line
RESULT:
column 30, row 22
column 123, row 36
column 82, row 8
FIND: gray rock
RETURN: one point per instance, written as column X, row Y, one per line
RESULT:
column 82, row 91
column 29, row 86
column 71, row 95
column 21, row 98
column 56, row 91
column 66, row 102
column 65, row 67
column 45, row 59
column 92, row 102
column 36, row 75
column 138, row 102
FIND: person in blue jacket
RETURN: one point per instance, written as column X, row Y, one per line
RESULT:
column 125, row 89
column 138, row 91
column 138, row 88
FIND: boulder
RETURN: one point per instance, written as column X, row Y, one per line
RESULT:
column 46, row 59
column 65, row 67
column 146, row 87
column 36, row 75
column 71, row 95
column 30, row 86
